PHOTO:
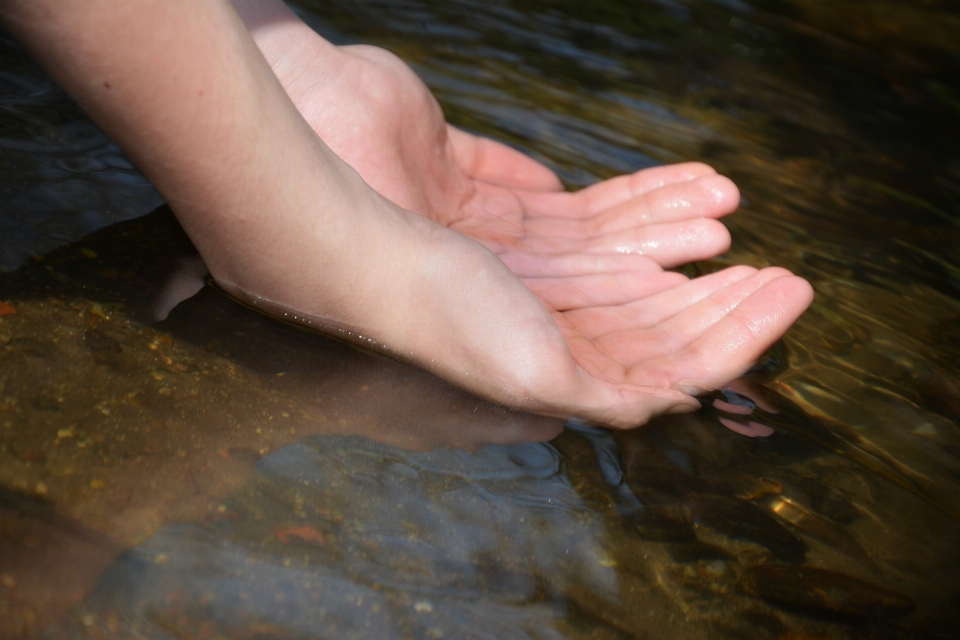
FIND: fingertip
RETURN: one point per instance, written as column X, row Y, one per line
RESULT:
column 804, row 289
column 687, row 241
column 724, row 194
column 797, row 290
column 722, row 238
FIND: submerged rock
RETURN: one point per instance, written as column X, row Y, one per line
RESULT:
column 829, row 502
column 746, row 521
column 819, row 591
column 813, row 525
column 661, row 523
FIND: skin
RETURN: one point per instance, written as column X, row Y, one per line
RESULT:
column 325, row 180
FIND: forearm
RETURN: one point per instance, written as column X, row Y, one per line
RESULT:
column 182, row 88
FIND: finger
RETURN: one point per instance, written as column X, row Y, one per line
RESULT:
column 600, row 290
column 649, row 312
column 669, row 245
column 496, row 163
column 675, row 332
column 731, row 346
column 529, row 265
column 610, row 193
column 751, row 429
column 709, row 196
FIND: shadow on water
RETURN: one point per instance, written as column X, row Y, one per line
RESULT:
column 198, row 470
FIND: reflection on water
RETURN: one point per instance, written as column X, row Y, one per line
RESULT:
column 214, row 473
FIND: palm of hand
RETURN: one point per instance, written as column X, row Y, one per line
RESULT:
column 594, row 258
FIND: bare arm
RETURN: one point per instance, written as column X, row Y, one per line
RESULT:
column 182, row 88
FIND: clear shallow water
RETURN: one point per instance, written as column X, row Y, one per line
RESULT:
column 133, row 448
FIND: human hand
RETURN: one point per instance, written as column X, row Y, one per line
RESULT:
column 599, row 330
column 378, row 116
column 593, row 258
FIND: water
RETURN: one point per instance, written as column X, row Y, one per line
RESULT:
column 219, row 474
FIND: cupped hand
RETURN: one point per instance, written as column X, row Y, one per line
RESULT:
column 644, row 340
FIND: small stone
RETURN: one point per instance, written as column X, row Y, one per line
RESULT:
column 6, row 310
column 41, row 489
column 161, row 558
column 88, row 253
column 926, row 430
column 98, row 311
column 423, row 607
column 716, row 568
column 97, row 483
column 63, row 434
column 8, row 581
